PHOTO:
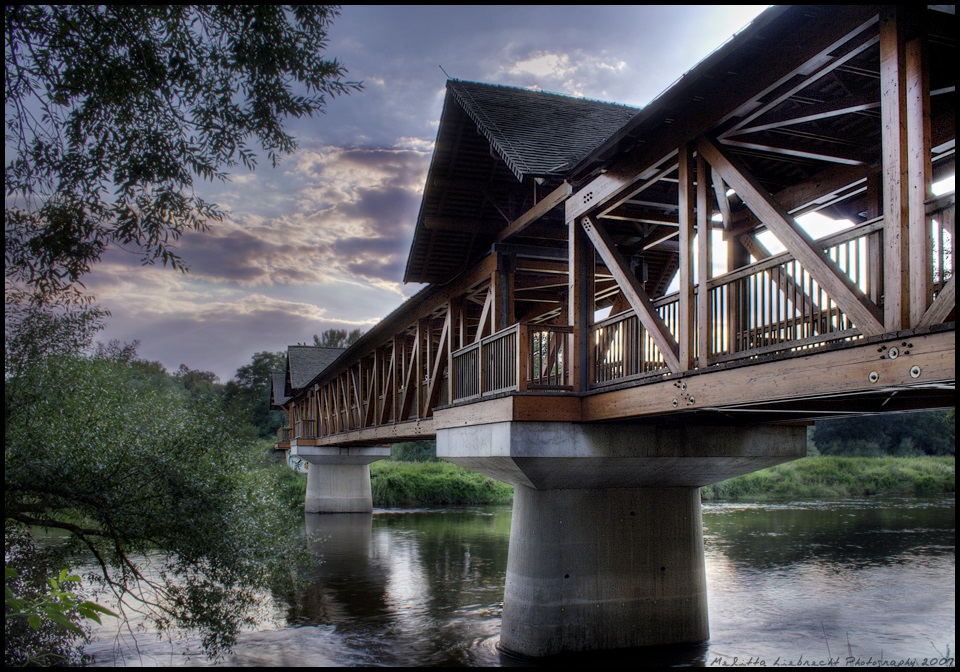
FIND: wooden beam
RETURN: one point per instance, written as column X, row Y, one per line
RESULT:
column 896, row 281
column 389, row 387
column 704, row 263
column 841, row 372
column 828, row 275
column 503, row 282
column 860, row 41
column 407, row 398
column 546, row 204
column 436, row 373
column 485, row 315
column 459, row 224
column 580, row 297
column 723, row 201
column 920, row 178
column 801, row 150
column 815, row 44
column 942, row 306
column 687, row 203
column 631, row 288
column 814, row 112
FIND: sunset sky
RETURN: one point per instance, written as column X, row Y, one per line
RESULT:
column 321, row 241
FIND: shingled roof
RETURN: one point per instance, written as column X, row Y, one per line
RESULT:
column 498, row 150
column 538, row 133
column 304, row 362
column 278, row 395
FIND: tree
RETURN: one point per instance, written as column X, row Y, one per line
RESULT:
column 126, row 465
column 113, row 112
column 337, row 338
column 248, row 394
column 900, row 434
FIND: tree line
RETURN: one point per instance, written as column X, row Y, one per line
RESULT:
column 909, row 434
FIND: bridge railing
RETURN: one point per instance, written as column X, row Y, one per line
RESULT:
column 771, row 305
column 305, row 429
column 520, row 357
column 622, row 350
column 775, row 304
column 941, row 215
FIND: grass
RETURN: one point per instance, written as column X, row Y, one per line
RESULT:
column 827, row 477
column 396, row 484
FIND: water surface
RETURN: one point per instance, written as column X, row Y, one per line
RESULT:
column 848, row 583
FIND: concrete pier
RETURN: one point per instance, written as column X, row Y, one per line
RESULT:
column 338, row 479
column 606, row 544
column 604, row 569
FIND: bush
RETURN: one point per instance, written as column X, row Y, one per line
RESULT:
column 826, row 477
column 433, row 484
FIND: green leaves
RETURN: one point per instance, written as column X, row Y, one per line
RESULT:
column 59, row 605
column 138, row 101
column 129, row 464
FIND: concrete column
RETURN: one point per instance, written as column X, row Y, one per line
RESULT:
column 604, row 569
column 338, row 488
column 338, row 479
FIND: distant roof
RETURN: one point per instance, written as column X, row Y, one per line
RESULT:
column 278, row 383
column 535, row 132
column 304, row 362
column 493, row 142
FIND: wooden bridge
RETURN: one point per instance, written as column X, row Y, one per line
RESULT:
column 589, row 265
column 548, row 284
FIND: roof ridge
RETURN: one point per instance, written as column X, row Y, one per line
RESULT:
column 546, row 92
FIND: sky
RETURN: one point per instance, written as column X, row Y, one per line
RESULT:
column 321, row 241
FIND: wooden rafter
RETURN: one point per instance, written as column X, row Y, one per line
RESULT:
column 800, row 150
column 810, row 113
column 546, row 204
column 861, row 40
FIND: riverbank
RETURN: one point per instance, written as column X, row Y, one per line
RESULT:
column 828, row 477
column 398, row 484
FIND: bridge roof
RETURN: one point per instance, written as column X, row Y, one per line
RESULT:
column 493, row 142
column 304, row 363
column 278, row 395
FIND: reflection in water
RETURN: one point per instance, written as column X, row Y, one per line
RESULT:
column 425, row 588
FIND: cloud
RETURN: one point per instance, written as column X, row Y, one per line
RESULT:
column 577, row 73
column 335, row 214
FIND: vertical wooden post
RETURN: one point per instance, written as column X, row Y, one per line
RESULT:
column 453, row 309
column 503, row 294
column 704, row 260
column 920, row 179
column 423, row 330
column 875, row 240
column 686, row 203
column 399, row 369
column 523, row 356
column 580, row 302
column 893, row 114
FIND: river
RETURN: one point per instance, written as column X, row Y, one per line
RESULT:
column 849, row 583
